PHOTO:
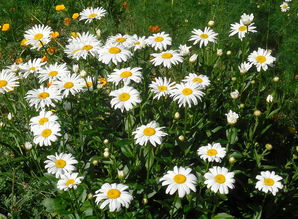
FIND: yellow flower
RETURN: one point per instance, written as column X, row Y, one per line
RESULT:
column 74, row 34
column 24, row 42
column 54, row 35
column 18, row 61
column 75, row 15
column 44, row 59
column 5, row 27
column 60, row 7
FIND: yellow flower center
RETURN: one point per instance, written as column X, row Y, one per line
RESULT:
column 43, row 120
column 32, row 69
column 88, row 84
column 114, row 50
column 219, row 178
column 53, row 73
column 187, row 91
column 242, row 28
column 70, row 181
column 212, row 152
column 159, row 39
column 46, row 133
column 92, row 15
column 149, row 131
column 87, row 47
column 68, row 85
column 204, row 36
column 137, row 43
column 261, row 59
column 120, row 39
column 3, row 83
column 125, row 74
column 284, row 6
column 268, row 182
column 162, row 88
column 167, row 55
column 124, row 96
column 60, row 163
column 43, row 95
column 179, row 178
column 38, row 36
column 198, row 80
column 113, row 193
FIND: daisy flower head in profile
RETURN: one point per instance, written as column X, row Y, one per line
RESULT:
column 43, row 118
column 184, row 50
column 70, row 84
column 203, row 37
column 38, row 36
column 82, row 45
column 244, row 67
column 219, row 179
column 179, row 179
column 46, row 134
column 284, row 7
column 241, row 29
column 232, row 117
column 149, row 133
column 247, row 19
column 166, row 58
column 139, row 42
column 161, row 87
column 125, row 98
column 269, row 182
column 261, row 59
column 60, row 164
column 125, row 41
column 187, row 94
column 201, row 80
column 52, row 72
column 31, row 67
column 212, row 152
column 8, row 81
column 43, row 97
column 69, row 181
column 112, row 53
column 90, row 14
column 114, row 195
column 126, row 75
column 159, row 41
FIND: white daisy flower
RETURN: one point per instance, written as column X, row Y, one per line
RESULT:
column 90, row 14
column 150, row 132
column 68, row 181
column 70, row 84
column 125, row 98
column 219, row 179
column 126, row 75
column 179, row 179
column 112, row 53
column 212, row 152
column 43, row 97
column 232, row 117
column 203, row 37
column 159, row 41
column 113, row 195
column 38, row 36
column 60, row 164
column 234, row 94
column 166, row 58
column 46, row 134
column 8, row 81
column 269, row 182
column 125, row 41
column 247, row 19
column 284, row 7
column 52, row 72
column 32, row 66
column 244, row 67
column 269, row 98
column 83, row 45
column 261, row 59
column 161, row 87
column 187, row 94
column 241, row 29
column 184, row 50
column 201, row 80
column 139, row 42
column 13, row 68
column 43, row 118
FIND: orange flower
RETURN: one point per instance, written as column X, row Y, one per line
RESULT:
column 75, row 15
column 5, row 27
column 154, row 28
column 18, row 61
column 67, row 21
column 60, row 7
column 296, row 77
column 24, row 42
column 74, row 34
column 54, row 35
column 50, row 83
column 102, row 81
column 124, row 4
column 51, row 50
column 44, row 59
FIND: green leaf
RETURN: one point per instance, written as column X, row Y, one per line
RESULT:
column 223, row 216
column 55, row 205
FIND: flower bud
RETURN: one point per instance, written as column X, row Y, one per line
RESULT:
column 229, row 52
column 89, row 196
column 269, row 98
column 9, row 116
column 106, row 141
column 234, row 94
column 27, row 145
column 276, row 79
column 219, row 52
column 83, row 73
column 95, row 162
column 241, row 105
column 75, row 68
column 257, row 113
column 233, row 78
column 145, row 201
column 253, row 82
column 177, row 115
column 297, row 148
column 106, row 154
column 232, row 160
column 107, row 150
column 120, row 174
column 193, row 58
column 268, row 147
column 211, row 23
column 98, row 32
column 181, row 138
